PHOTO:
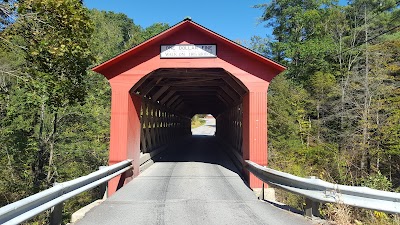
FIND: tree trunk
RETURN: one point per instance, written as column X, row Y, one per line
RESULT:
column 51, row 171
column 365, row 156
column 38, row 166
column 318, row 122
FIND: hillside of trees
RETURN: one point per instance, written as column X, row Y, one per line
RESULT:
column 334, row 114
column 55, row 112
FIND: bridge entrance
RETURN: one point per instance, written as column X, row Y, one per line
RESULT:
column 160, row 84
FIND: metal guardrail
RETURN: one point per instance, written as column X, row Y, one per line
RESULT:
column 317, row 190
column 31, row 206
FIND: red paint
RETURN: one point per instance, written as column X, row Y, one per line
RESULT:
column 255, row 129
column 123, row 71
column 124, row 128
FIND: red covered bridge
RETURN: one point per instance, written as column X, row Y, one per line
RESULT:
column 159, row 85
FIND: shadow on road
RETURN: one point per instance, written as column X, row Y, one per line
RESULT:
column 198, row 148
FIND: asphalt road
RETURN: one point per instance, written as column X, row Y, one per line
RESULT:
column 208, row 129
column 193, row 183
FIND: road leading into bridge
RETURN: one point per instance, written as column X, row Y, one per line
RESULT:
column 208, row 129
column 195, row 182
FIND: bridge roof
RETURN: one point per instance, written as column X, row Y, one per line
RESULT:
column 179, row 26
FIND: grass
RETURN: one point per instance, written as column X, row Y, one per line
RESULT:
column 198, row 123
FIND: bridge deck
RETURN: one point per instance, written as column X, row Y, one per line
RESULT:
column 195, row 183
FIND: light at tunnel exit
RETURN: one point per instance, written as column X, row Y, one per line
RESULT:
column 203, row 124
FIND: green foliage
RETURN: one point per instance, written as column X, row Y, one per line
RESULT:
column 282, row 123
column 322, row 84
column 377, row 181
column 113, row 33
column 335, row 112
column 197, row 121
column 260, row 45
column 152, row 30
column 55, row 43
column 54, row 115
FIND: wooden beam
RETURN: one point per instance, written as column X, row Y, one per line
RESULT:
column 168, row 96
column 200, row 89
column 197, row 93
column 177, row 102
column 180, row 105
column 134, row 89
column 160, row 91
column 234, row 85
column 172, row 100
column 188, row 75
column 207, row 108
column 200, row 71
column 150, row 86
column 194, row 84
column 199, row 98
column 237, row 81
column 225, row 97
column 223, row 100
column 231, row 93
column 187, row 81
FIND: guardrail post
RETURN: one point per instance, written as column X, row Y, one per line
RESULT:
column 261, row 197
column 312, row 207
column 103, row 187
column 56, row 212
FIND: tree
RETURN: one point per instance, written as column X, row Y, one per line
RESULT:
column 54, row 115
column 55, row 49
column 385, row 129
column 300, row 35
column 153, row 30
column 322, row 89
column 113, row 33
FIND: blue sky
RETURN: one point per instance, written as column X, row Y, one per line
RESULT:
column 236, row 20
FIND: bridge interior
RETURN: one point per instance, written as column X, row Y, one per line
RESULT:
column 172, row 96
column 192, row 91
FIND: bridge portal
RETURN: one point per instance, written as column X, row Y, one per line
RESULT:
column 158, row 85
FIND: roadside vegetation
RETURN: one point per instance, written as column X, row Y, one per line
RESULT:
column 335, row 112
column 54, row 112
column 198, row 120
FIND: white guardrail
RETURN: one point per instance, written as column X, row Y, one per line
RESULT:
column 31, row 206
column 321, row 191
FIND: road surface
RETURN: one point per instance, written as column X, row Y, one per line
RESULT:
column 193, row 183
column 207, row 129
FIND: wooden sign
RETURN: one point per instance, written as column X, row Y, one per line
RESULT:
column 188, row 51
